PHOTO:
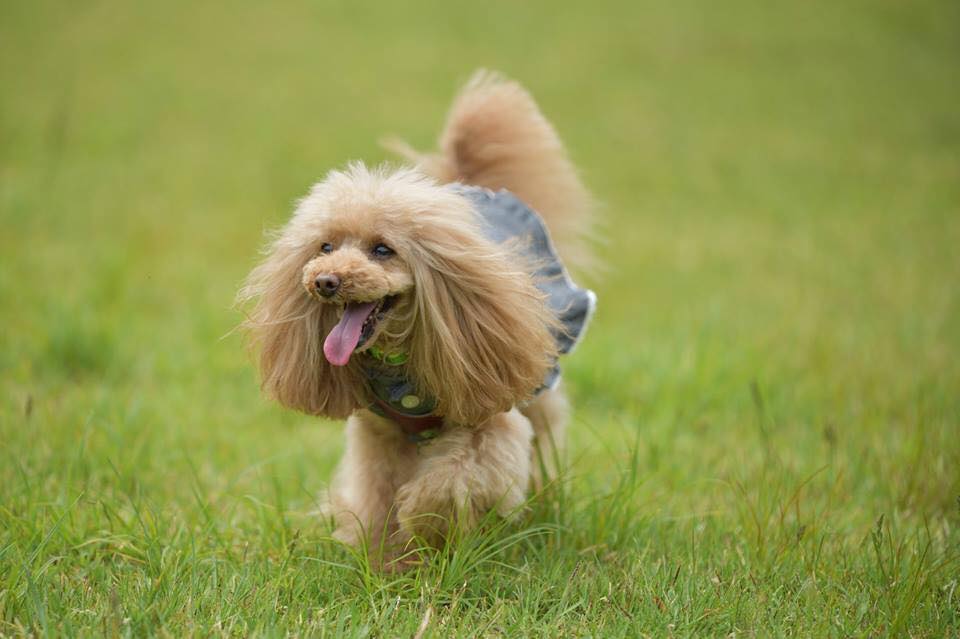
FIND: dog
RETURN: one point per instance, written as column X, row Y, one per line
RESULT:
column 428, row 306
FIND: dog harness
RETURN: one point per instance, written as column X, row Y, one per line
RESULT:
column 503, row 218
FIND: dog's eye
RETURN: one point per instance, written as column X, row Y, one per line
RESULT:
column 382, row 251
column 326, row 247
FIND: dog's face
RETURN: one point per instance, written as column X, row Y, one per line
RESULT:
column 359, row 273
column 393, row 259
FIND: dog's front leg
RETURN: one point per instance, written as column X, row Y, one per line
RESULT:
column 377, row 460
column 465, row 473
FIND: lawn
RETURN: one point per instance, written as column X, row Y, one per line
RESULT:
column 767, row 430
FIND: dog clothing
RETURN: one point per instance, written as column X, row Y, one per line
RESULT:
column 503, row 218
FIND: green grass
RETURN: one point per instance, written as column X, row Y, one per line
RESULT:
column 767, row 433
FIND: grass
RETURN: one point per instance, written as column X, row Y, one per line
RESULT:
column 766, row 434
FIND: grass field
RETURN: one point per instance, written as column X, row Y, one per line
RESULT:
column 767, row 433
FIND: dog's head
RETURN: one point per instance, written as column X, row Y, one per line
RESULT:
column 395, row 260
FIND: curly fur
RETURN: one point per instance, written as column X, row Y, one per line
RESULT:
column 475, row 326
column 496, row 137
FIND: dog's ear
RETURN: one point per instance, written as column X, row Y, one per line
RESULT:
column 481, row 340
column 287, row 328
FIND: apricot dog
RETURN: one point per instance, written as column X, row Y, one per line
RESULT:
column 428, row 306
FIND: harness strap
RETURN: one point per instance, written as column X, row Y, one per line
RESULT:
column 418, row 429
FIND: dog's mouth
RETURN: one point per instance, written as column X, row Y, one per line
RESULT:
column 356, row 327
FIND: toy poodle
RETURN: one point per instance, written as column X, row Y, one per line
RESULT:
column 428, row 306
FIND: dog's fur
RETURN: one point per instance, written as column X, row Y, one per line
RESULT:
column 467, row 312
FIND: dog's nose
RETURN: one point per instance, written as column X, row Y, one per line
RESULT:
column 327, row 284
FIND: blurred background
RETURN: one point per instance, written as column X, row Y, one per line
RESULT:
column 771, row 378
column 780, row 189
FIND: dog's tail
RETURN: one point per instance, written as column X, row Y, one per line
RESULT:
column 496, row 137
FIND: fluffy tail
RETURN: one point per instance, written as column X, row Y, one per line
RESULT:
column 496, row 137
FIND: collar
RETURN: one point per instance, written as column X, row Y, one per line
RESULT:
column 417, row 428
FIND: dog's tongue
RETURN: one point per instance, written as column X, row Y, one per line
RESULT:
column 346, row 334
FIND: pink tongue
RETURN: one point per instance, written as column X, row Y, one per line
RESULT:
column 346, row 334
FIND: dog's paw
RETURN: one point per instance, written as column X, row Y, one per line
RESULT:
column 434, row 506
column 350, row 535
